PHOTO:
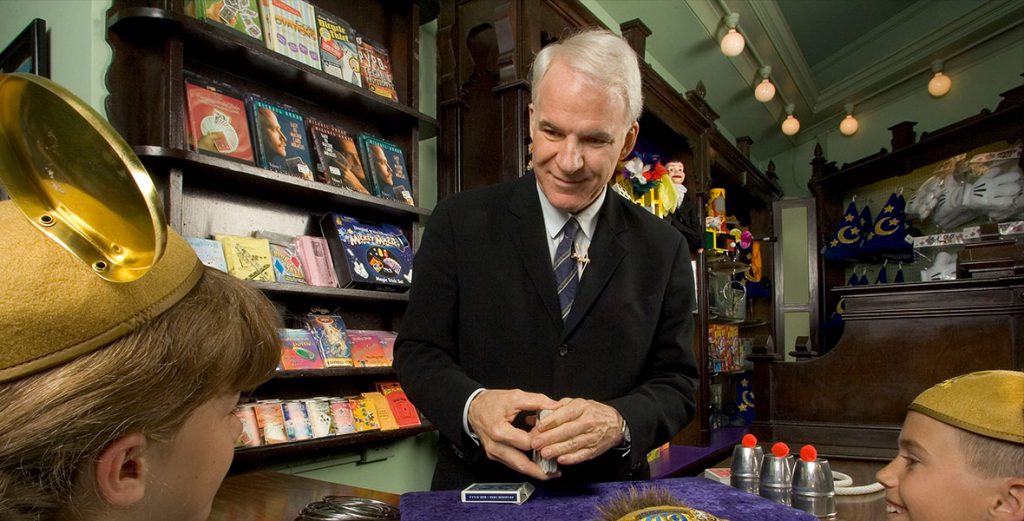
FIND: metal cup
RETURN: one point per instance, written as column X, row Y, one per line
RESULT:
column 746, row 468
column 776, row 478
column 814, row 490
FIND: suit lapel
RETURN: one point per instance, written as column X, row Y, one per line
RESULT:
column 605, row 253
column 526, row 229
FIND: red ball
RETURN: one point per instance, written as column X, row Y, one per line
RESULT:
column 780, row 450
column 749, row 441
column 808, row 453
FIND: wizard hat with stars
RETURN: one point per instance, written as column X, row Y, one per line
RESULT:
column 887, row 239
column 846, row 240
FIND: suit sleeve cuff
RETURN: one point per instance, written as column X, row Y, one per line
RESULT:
column 465, row 417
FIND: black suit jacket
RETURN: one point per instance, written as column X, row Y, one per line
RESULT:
column 483, row 312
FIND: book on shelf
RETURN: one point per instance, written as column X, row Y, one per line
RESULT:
column 368, row 255
column 367, row 350
column 270, row 419
column 376, row 67
column 296, row 421
column 332, row 338
column 241, row 15
column 387, row 342
column 285, row 257
column 247, row 258
column 280, row 138
column 315, row 256
column 209, row 251
column 299, row 350
column 338, row 160
column 384, row 415
column 289, row 28
column 403, row 410
column 364, row 414
column 339, row 49
column 341, row 410
column 321, row 420
column 217, row 121
column 386, row 164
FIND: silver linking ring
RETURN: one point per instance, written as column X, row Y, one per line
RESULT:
column 348, row 508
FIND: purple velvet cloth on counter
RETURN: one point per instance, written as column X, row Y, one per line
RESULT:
column 581, row 503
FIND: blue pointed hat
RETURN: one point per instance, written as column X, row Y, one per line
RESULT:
column 887, row 239
column 846, row 240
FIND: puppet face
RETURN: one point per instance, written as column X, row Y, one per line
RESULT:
column 676, row 172
column 579, row 136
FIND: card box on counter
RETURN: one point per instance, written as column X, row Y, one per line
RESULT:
column 368, row 255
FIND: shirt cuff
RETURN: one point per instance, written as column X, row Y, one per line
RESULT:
column 465, row 416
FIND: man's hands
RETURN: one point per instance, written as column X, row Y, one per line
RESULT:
column 490, row 417
column 577, row 430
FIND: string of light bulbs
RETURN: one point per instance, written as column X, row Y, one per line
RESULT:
column 733, row 44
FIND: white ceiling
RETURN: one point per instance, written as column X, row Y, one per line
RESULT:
column 823, row 53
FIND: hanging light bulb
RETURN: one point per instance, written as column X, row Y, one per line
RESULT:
column 849, row 125
column 940, row 84
column 765, row 91
column 732, row 42
column 791, row 125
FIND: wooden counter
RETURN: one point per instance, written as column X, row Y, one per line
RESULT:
column 275, row 496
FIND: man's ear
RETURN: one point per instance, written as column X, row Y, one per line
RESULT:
column 1009, row 506
column 120, row 471
column 630, row 141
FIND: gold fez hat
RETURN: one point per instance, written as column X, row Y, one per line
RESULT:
column 85, row 250
column 989, row 403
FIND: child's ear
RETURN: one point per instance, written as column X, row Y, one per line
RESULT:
column 120, row 471
column 1010, row 504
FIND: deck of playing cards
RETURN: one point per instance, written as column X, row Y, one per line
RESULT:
column 549, row 466
column 514, row 493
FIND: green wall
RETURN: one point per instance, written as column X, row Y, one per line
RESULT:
column 79, row 54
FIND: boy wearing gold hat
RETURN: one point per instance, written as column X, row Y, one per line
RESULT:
column 961, row 452
column 121, row 355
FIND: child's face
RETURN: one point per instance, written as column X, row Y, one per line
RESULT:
column 930, row 479
column 188, row 470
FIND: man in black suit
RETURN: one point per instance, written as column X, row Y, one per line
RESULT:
column 484, row 345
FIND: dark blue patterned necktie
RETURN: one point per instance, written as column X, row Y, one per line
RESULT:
column 566, row 276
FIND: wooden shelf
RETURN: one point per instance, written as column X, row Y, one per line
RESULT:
column 249, row 58
column 334, row 372
column 240, row 177
column 253, row 457
column 278, row 289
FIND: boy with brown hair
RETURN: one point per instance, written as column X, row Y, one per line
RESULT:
column 118, row 374
column 961, row 453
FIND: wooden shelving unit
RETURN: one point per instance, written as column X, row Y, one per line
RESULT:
column 155, row 45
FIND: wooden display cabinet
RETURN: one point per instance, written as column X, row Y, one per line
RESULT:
column 898, row 339
column 155, row 44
